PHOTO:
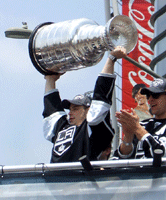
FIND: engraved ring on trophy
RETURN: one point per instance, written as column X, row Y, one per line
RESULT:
column 75, row 44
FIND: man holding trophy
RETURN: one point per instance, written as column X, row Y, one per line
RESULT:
column 55, row 48
column 88, row 131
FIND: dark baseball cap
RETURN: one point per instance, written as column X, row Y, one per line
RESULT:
column 80, row 99
column 157, row 86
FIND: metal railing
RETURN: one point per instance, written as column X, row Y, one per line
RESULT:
column 42, row 167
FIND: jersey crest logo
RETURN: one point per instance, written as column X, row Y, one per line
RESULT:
column 64, row 140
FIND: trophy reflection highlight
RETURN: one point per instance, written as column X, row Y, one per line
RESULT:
column 75, row 44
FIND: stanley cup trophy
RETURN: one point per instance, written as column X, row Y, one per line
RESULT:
column 75, row 44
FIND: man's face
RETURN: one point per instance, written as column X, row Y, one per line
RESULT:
column 158, row 106
column 77, row 114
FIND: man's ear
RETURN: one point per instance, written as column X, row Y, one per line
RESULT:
column 87, row 109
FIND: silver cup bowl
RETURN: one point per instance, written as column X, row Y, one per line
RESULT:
column 75, row 44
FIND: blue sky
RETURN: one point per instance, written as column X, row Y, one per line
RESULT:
column 22, row 86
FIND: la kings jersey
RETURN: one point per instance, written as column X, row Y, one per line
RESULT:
column 92, row 136
column 154, row 139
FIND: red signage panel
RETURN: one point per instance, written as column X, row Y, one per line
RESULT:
column 140, row 12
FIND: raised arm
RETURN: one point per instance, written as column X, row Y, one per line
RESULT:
column 53, row 110
column 51, row 82
column 99, row 113
column 118, row 52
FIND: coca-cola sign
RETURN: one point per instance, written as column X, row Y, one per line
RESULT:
column 140, row 12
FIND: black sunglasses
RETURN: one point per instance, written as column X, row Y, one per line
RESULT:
column 154, row 95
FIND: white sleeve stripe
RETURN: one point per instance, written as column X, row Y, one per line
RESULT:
column 151, row 151
column 111, row 88
column 163, row 142
column 50, row 92
column 49, row 124
column 97, row 112
column 108, row 128
column 145, row 136
column 107, row 75
column 100, row 103
column 89, row 131
column 55, row 115
column 161, row 130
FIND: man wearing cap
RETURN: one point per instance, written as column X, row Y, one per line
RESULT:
column 87, row 130
column 142, row 140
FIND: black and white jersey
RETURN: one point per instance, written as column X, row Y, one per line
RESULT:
column 92, row 136
column 154, row 139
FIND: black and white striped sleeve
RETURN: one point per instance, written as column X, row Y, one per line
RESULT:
column 150, row 144
column 53, row 112
column 102, row 98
